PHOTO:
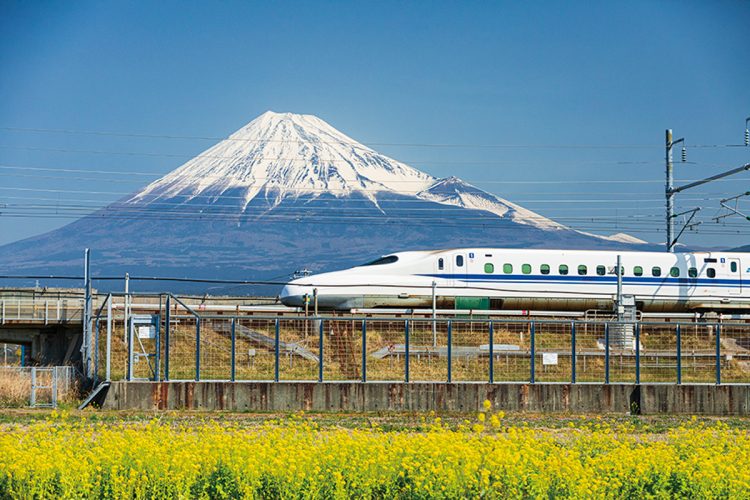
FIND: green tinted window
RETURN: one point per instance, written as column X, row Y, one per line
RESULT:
column 693, row 272
column 526, row 269
column 711, row 272
column 601, row 270
column 582, row 270
column 544, row 269
column 489, row 268
column 656, row 271
column 674, row 272
column 733, row 267
column 563, row 269
column 508, row 268
column 638, row 271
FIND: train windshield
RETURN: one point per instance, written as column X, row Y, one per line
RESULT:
column 383, row 260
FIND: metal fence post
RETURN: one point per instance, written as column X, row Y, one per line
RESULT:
column 167, row 329
column 678, row 333
column 234, row 345
column 606, row 353
column 108, row 370
column 532, row 376
column 718, row 354
column 492, row 353
column 320, row 359
column 96, row 350
column 197, row 349
column 406, row 351
column 450, row 351
column 364, row 350
column 276, row 352
column 129, row 337
column 572, row 352
column 637, row 353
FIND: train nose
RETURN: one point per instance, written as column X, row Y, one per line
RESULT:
column 293, row 295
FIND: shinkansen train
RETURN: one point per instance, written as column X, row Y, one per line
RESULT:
column 557, row 280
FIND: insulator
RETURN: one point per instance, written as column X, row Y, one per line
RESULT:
column 747, row 137
column 684, row 154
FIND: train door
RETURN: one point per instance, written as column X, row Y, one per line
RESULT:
column 444, row 268
column 735, row 274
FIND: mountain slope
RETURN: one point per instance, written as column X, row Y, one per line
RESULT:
column 287, row 191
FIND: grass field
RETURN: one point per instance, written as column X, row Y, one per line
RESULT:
column 488, row 454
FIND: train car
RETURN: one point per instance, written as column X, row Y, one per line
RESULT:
column 557, row 280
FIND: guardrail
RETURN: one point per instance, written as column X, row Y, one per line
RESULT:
column 41, row 311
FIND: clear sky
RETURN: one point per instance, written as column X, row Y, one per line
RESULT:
column 558, row 106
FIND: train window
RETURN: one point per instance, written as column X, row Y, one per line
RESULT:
column 544, row 269
column 526, row 269
column 693, row 272
column 601, row 270
column 733, row 266
column 508, row 268
column 674, row 272
column 383, row 260
column 638, row 271
column 460, row 260
column 441, row 264
column 489, row 268
column 582, row 270
column 563, row 269
column 711, row 272
column 656, row 271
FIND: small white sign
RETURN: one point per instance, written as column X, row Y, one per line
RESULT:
column 251, row 352
column 549, row 358
column 147, row 332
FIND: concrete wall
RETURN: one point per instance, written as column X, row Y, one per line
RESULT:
column 416, row 396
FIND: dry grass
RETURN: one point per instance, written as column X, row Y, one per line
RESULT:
column 15, row 389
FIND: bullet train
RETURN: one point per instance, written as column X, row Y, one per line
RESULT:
column 557, row 280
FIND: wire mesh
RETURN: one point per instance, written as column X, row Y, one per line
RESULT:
column 254, row 353
column 622, row 357
column 342, row 349
column 182, row 348
column 658, row 356
column 428, row 350
column 698, row 349
column 511, row 351
column 590, row 354
column 553, row 352
column 735, row 354
column 299, row 348
column 385, row 350
column 470, row 351
column 215, row 349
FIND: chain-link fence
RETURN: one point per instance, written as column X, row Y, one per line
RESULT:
column 183, row 344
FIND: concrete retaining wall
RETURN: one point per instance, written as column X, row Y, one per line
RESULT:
column 417, row 396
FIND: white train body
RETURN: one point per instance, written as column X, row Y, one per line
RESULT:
column 559, row 280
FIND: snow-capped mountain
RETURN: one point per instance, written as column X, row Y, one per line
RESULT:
column 284, row 192
column 284, row 155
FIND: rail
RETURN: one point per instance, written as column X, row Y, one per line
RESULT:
column 41, row 311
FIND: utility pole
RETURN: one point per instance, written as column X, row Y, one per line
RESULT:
column 669, row 189
column 86, row 342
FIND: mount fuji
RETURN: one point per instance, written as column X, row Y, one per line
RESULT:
column 285, row 192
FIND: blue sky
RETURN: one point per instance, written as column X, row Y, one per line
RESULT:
column 558, row 106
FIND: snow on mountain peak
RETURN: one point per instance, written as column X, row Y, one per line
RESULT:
column 287, row 155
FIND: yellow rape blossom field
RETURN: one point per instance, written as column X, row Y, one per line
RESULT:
column 487, row 455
